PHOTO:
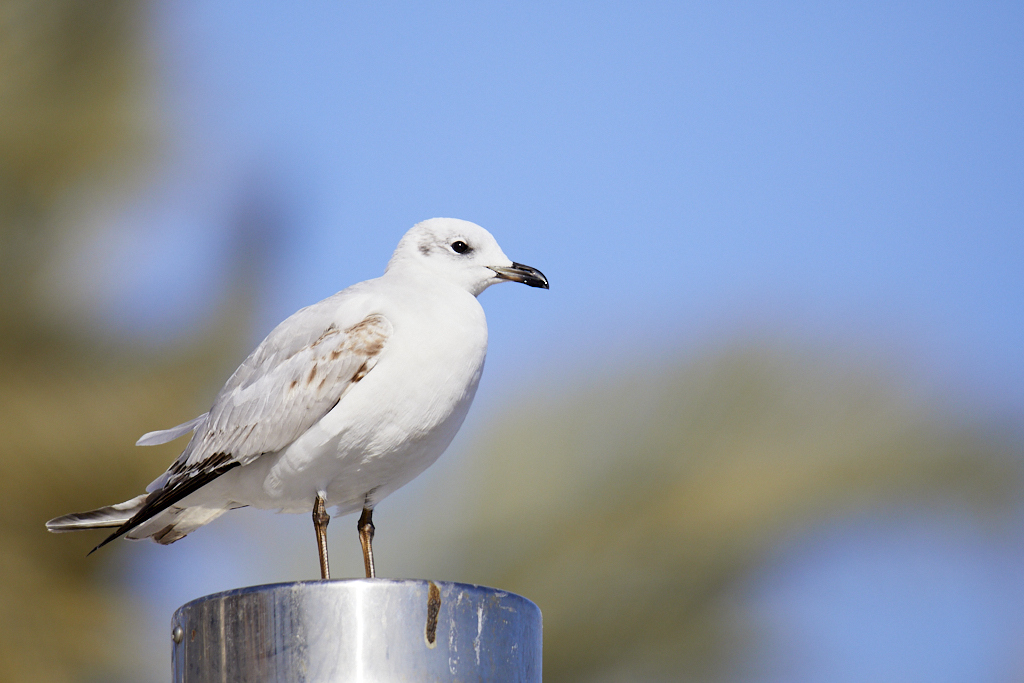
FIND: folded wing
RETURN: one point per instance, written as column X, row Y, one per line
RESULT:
column 292, row 379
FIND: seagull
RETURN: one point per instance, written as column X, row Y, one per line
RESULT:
column 343, row 403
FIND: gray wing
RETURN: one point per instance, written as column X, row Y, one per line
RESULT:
column 292, row 379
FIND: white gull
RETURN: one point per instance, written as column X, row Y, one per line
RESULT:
column 341, row 404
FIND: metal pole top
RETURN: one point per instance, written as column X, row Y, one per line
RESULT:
column 358, row 630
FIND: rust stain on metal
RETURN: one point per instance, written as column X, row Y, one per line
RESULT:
column 433, row 609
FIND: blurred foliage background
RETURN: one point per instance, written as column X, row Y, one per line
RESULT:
column 628, row 505
column 77, row 128
column 669, row 489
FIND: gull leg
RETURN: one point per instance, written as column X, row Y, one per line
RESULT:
column 320, row 522
column 365, row 527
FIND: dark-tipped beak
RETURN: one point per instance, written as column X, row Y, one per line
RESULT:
column 520, row 273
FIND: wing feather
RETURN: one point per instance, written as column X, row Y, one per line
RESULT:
column 292, row 379
column 167, row 435
column 278, row 393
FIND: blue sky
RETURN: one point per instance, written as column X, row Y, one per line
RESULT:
column 685, row 174
column 850, row 175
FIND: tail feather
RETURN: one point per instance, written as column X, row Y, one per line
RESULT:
column 175, row 523
column 101, row 518
column 153, row 515
column 156, row 502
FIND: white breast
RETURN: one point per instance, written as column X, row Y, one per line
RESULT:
column 397, row 420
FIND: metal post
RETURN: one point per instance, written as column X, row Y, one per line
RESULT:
column 358, row 630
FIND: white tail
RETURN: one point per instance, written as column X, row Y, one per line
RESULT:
column 100, row 518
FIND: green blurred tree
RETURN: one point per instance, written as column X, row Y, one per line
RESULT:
column 629, row 507
column 76, row 125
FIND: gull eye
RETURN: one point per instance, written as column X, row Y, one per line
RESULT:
column 460, row 247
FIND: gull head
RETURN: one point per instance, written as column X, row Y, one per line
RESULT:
column 461, row 253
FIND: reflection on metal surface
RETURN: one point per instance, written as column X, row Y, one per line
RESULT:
column 358, row 630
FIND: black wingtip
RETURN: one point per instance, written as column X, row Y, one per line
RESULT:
column 160, row 500
column 106, row 540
